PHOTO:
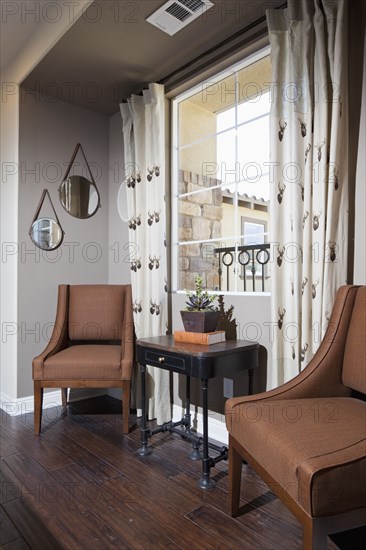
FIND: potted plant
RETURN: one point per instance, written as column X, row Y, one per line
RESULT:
column 200, row 315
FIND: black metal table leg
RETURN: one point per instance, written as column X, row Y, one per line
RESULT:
column 187, row 416
column 195, row 454
column 144, row 450
column 205, row 482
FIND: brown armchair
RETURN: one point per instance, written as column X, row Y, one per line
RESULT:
column 307, row 438
column 92, row 345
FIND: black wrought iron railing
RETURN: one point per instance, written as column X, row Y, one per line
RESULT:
column 250, row 260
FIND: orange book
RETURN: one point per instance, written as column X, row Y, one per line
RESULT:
column 204, row 338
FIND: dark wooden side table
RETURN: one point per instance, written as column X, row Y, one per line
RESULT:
column 202, row 362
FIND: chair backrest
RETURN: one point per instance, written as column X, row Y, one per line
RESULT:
column 354, row 361
column 96, row 312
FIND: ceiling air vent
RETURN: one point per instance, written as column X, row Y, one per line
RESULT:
column 177, row 14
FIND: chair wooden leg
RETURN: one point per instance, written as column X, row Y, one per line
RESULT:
column 38, row 402
column 235, row 463
column 64, row 396
column 126, row 388
column 314, row 537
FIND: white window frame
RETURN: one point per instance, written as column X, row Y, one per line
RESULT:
column 253, row 58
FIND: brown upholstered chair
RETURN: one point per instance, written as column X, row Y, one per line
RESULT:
column 307, row 438
column 92, row 345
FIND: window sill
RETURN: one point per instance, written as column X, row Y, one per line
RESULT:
column 229, row 293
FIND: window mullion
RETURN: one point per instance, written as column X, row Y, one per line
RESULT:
column 236, row 211
column 174, row 195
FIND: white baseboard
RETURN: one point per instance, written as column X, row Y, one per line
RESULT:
column 216, row 429
column 16, row 407
column 23, row 405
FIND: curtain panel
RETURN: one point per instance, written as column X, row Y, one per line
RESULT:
column 309, row 192
column 144, row 146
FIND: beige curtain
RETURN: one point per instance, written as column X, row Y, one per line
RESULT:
column 143, row 133
column 309, row 197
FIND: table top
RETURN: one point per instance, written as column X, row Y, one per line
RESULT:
column 168, row 344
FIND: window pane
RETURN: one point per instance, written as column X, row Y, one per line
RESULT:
column 195, row 122
column 198, row 115
column 200, row 160
column 228, row 266
column 254, row 107
column 224, row 103
column 226, row 119
column 258, row 188
column 200, row 214
column 253, row 233
column 253, row 83
column 198, row 259
column 226, row 157
column 253, row 146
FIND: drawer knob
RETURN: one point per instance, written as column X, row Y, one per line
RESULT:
column 161, row 359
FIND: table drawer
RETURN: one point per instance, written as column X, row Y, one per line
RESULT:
column 166, row 361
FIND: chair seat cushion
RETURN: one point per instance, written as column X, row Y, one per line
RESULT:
column 314, row 448
column 90, row 362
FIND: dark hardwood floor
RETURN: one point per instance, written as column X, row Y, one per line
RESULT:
column 81, row 484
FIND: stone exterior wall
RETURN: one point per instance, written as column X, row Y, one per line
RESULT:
column 200, row 218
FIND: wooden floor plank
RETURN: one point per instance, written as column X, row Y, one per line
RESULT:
column 229, row 531
column 38, row 447
column 140, row 503
column 8, row 445
column 40, row 491
column 8, row 531
column 141, row 470
column 251, row 495
column 82, row 484
column 18, row 544
column 109, row 501
column 27, row 520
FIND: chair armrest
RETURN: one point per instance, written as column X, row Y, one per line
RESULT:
column 128, row 336
column 323, row 375
column 58, row 339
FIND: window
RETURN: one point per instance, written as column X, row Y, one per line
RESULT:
column 221, row 179
column 254, row 233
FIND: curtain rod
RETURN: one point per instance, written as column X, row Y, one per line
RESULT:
column 228, row 41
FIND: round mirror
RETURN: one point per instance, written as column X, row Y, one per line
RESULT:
column 79, row 197
column 46, row 234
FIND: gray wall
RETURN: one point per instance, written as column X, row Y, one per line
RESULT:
column 49, row 132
